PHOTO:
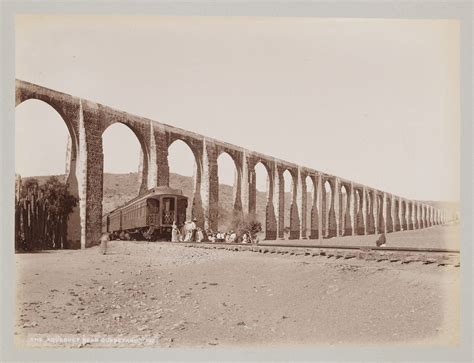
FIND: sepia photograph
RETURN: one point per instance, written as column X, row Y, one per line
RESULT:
column 236, row 182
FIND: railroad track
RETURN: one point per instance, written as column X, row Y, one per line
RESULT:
column 397, row 249
column 363, row 248
column 439, row 256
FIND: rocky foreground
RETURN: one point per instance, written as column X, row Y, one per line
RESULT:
column 160, row 294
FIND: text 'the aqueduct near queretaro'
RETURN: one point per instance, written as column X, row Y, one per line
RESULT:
column 366, row 210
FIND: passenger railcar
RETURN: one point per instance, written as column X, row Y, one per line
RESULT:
column 149, row 216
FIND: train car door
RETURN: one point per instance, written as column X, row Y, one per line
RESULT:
column 168, row 210
column 181, row 211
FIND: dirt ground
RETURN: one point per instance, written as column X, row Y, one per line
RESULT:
column 168, row 295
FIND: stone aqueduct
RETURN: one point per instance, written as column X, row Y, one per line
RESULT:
column 365, row 210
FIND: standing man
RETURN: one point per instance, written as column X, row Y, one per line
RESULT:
column 174, row 233
column 193, row 228
column 104, row 239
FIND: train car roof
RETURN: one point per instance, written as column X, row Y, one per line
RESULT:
column 156, row 191
column 165, row 190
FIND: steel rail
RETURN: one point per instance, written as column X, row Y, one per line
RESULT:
column 363, row 248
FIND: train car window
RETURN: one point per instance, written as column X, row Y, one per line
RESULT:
column 153, row 211
column 154, row 205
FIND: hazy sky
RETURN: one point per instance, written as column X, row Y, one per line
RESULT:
column 374, row 101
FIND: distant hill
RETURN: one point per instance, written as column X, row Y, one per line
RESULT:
column 120, row 188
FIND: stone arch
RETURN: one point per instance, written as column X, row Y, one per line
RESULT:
column 388, row 213
column 252, row 163
column 409, row 206
column 415, row 213
column 69, row 113
column 144, row 147
column 312, row 206
column 345, row 210
column 288, row 201
column 423, row 216
column 370, row 196
column 196, row 154
column 396, row 214
column 294, row 222
column 226, row 212
column 194, row 209
column 359, row 222
column 417, row 221
column 194, row 144
column 329, row 213
column 427, row 216
column 266, row 164
column 269, row 222
column 403, row 215
column 380, row 212
column 39, row 106
column 237, row 157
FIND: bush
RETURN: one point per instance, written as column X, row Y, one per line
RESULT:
column 41, row 215
column 246, row 224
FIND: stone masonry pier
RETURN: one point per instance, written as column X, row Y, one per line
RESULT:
column 348, row 208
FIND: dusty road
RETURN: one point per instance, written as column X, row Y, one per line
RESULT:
column 167, row 295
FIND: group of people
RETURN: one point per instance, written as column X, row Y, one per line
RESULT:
column 222, row 237
column 231, row 237
column 190, row 232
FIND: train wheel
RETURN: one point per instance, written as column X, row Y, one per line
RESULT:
column 141, row 235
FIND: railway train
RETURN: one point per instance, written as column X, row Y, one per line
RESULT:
column 149, row 216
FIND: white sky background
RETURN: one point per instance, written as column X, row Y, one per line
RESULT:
column 374, row 101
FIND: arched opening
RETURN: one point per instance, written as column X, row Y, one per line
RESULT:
column 262, row 196
column 311, row 216
column 44, row 146
column 396, row 215
column 124, row 160
column 404, row 215
column 411, row 219
column 329, row 216
column 380, row 217
column 415, row 213
column 344, row 210
column 289, row 196
column 184, row 174
column 388, row 216
column 423, row 216
column 427, row 216
column 370, row 212
column 359, row 218
column 41, row 140
column 227, row 173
